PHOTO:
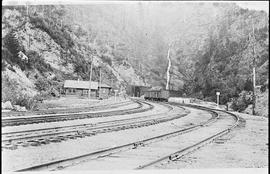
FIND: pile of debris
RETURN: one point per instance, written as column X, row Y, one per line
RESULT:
column 7, row 106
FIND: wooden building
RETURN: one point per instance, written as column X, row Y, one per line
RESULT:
column 81, row 88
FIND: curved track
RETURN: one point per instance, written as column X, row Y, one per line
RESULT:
column 67, row 110
column 179, row 153
column 60, row 164
column 72, row 116
column 35, row 137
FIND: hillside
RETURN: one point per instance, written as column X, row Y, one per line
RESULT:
column 210, row 47
column 53, row 53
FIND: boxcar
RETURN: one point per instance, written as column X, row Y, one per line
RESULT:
column 161, row 95
column 136, row 91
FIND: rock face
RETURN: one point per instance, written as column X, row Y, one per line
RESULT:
column 19, row 108
column 128, row 74
column 34, row 39
column 64, row 50
column 7, row 105
column 40, row 39
column 27, row 86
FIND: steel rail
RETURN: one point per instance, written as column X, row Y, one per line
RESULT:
column 73, row 116
column 59, row 164
column 178, row 154
column 104, row 129
column 65, row 110
column 61, row 114
column 84, row 127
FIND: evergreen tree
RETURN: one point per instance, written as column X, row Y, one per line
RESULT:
column 13, row 46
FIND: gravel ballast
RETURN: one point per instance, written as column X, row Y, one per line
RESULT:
column 29, row 156
column 244, row 147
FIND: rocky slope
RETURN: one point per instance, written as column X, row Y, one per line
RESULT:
column 33, row 51
column 210, row 46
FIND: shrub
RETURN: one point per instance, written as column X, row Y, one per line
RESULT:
column 42, row 84
column 7, row 55
column 24, row 100
column 12, row 44
column 106, row 59
column 13, row 93
column 54, row 92
column 241, row 103
column 10, row 50
column 248, row 86
column 59, row 35
column 36, row 61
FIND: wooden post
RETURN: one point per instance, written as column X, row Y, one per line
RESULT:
column 90, row 78
column 42, row 10
column 253, row 70
column 111, row 81
column 28, row 20
column 27, row 9
column 99, row 91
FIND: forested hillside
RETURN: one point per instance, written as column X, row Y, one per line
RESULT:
column 210, row 46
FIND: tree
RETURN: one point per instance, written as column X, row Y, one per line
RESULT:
column 13, row 46
column 42, row 84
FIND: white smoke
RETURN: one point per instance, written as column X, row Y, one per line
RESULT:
column 168, row 69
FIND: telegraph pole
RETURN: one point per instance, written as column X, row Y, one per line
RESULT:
column 90, row 75
column 27, row 9
column 99, row 92
column 253, row 69
column 111, row 85
column 111, row 81
column 28, row 20
column 90, row 78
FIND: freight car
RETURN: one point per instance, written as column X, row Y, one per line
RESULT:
column 161, row 95
column 136, row 91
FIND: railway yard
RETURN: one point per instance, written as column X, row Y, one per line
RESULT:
column 131, row 133
column 135, row 87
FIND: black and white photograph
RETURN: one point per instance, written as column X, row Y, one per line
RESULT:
column 135, row 86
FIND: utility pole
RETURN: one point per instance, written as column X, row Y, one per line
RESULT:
column 28, row 20
column 111, row 85
column 27, row 9
column 254, row 72
column 111, row 81
column 99, row 91
column 90, row 75
column 42, row 7
column 90, row 78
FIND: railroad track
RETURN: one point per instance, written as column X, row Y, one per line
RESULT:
column 36, row 137
column 61, row 164
column 67, row 110
column 73, row 116
column 180, row 153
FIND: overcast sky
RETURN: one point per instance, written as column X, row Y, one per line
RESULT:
column 255, row 5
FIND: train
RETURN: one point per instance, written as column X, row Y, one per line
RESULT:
column 136, row 90
column 161, row 95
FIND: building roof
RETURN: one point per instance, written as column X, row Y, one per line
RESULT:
column 83, row 84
